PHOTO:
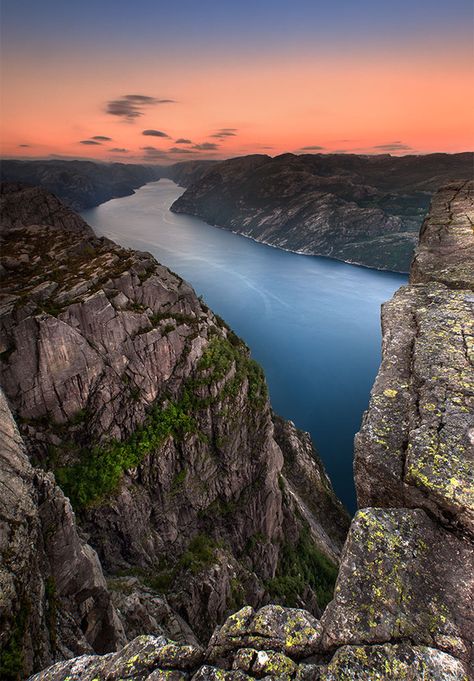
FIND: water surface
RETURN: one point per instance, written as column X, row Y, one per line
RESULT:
column 313, row 323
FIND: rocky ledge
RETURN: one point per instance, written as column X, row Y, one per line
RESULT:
column 403, row 601
column 175, row 497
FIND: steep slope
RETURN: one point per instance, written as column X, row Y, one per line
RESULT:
column 414, row 554
column 403, row 604
column 361, row 209
column 157, row 426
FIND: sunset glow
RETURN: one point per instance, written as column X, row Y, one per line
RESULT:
column 310, row 89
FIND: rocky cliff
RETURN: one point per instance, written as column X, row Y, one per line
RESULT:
column 187, row 493
column 361, row 209
column 403, row 603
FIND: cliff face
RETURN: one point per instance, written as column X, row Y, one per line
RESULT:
column 157, row 426
column 348, row 207
column 403, row 604
column 54, row 597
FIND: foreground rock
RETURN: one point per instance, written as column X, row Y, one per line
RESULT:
column 273, row 644
column 157, row 426
column 361, row 209
column 416, row 446
column 54, row 600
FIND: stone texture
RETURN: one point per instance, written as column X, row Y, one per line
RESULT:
column 416, row 445
column 393, row 663
column 446, row 250
column 36, row 207
column 403, row 577
column 54, row 601
column 287, row 630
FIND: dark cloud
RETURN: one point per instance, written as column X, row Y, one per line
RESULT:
column 313, row 147
column 154, row 133
column 24, row 145
column 182, row 140
column 397, row 145
column 153, row 153
column 131, row 107
column 222, row 133
column 101, row 138
column 179, row 150
column 91, row 142
column 206, row 146
column 119, row 150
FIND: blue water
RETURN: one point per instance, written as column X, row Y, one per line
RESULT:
column 313, row 323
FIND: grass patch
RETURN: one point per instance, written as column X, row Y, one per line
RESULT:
column 99, row 470
column 199, row 554
column 302, row 564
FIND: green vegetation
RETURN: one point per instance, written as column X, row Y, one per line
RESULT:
column 217, row 361
column 100, row 469
column 11, row 654
column 303, row 564
column 199, row 554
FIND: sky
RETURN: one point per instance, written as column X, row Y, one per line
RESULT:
column 159, row 82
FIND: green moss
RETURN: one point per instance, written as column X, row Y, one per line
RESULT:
column 99, row 469
column 302, row 564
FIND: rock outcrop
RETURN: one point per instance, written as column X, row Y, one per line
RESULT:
column 344, row 206
column 54, row 601
column 156, row 424
column 404, row 598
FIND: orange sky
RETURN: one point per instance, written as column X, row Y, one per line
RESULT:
column 403, row 103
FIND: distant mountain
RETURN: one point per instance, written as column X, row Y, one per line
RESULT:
column 80, row 184
column 362, row 209
column 85, row 184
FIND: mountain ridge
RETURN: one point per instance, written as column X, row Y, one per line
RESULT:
column 365, row 210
